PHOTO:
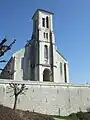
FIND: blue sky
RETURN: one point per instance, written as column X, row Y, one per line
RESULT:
column 71, row 27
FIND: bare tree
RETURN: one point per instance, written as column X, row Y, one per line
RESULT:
column 17, row 89
column 4, row 48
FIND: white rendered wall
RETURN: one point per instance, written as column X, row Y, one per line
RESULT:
column 60, row 78
column 17, row 66
column 49, row 98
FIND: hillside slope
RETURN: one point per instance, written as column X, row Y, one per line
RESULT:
column 9, row 114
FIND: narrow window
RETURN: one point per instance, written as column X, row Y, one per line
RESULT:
column 34, row 25
column 61, row 68
column 22, row 62
column 47, row 22
column 46, row 52
column 47, row 35
column 65, row 75
column 43, row 22
column 44, row 34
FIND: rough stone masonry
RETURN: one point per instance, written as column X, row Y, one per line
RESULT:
column 49, row 98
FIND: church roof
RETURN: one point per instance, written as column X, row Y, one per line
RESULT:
column 28, row 42
column 42, row 11
column 61, row 55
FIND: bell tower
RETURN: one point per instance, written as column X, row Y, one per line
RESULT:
column 43, row 36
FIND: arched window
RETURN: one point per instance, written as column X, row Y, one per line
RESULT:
column 43, row 22
column 47, row 22
column 44, row 34
column 22, row 63
column 46, row 52
column 65, row 74
column 34, row 25
column 47, row 35
column 61, row 68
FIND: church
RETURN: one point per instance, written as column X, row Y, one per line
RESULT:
column 45, row 72
column 39, row 60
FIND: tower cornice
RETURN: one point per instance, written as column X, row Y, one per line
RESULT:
column 45, row 11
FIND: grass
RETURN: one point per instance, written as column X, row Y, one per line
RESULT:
column 73, row 117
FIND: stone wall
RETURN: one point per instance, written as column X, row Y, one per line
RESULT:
column 49, row 98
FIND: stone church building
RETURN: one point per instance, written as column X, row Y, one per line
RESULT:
column 39, row 60
column 45, row 73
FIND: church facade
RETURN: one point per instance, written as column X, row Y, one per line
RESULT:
column 39, row 60
column 44, row 71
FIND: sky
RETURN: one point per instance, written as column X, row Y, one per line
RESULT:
column 71, row 27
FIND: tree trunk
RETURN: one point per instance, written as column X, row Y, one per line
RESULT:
column 15, row 102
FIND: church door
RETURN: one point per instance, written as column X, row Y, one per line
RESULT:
column 46, row 75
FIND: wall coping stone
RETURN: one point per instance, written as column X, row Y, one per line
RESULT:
column 37, row 83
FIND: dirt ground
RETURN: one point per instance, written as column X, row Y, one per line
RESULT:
column 9, row 114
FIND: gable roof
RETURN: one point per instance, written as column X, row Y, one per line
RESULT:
column 61, row 55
